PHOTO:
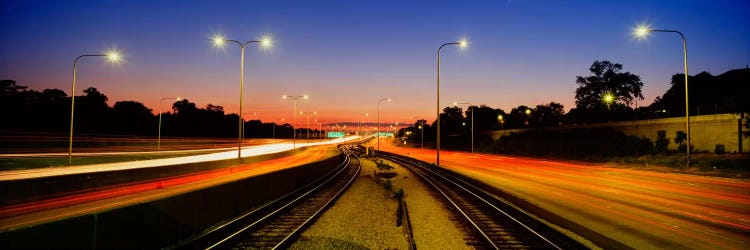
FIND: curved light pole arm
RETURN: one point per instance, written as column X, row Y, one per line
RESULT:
column 158, row 140
column 242, row 86
column 437, row 107
column 687, row 105
column 72, row 108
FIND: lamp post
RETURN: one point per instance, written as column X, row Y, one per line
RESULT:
column 501, row 121
column 158, row 140
column 641, row 32
column 472, row 121
column 608, row 99
column 379, row 101
column 421, row 128
column 461, row 44
column 294, row 129
column 362, row 121
column 273, row 133
column 219, row 41
column 112, row 57
column 528, row 117
column 308, row 122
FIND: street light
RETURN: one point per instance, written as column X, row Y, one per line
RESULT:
column 158, row 140
column 112, row 56
column 461, row 44
column 362, row 121
column 294, row 130
column 219, row 41
column 501, row 121
column 608, row 98
column 472, row 121
column 308, row 121
column 379, row 101
column 421, row 128
column 641, row 32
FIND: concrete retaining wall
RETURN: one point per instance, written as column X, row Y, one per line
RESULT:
column 705, row 131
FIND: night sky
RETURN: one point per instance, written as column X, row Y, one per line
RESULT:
column 346, row 55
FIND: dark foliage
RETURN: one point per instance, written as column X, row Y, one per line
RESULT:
column 49, row 111
column 576, row 143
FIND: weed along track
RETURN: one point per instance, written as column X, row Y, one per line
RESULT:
column 276, row 224
column 489, row 222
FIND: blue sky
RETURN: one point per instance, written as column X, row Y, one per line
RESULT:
column 348, row 54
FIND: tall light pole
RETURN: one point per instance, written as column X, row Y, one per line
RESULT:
column 308, row 121
column 379, row 101
column 362, row 121
column 294, row 129
column 462, row 44
column 112, row 57
column 469, row 105
column 642, row 32
column 158, row 140
column 219, row 41
column 501, row 121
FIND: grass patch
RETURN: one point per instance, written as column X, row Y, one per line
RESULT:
column 724, row 165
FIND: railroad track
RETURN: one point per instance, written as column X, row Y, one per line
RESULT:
column 492, row 223
column 277, row 223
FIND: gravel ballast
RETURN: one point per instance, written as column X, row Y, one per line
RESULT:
column 365, row 217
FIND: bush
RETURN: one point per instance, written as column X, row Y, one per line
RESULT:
column 719, row 149
column 589, row 143
column 681, row 148
column 662, row 142
column 388, row 185
column 382, row 166
column 398, row 195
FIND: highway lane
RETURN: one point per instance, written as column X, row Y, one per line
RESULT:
column 246, row 152
column 179, row 146
column 56, row 209
column 639, row 209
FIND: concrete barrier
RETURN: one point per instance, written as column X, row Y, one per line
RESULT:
column 159, row 223
column 705, row 131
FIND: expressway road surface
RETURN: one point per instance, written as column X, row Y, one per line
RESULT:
column 635, row 208
column 52, row 145
column 246, row 152
column 66, row 207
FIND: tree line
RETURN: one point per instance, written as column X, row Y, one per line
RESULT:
column 29, row 110
column 608, row 94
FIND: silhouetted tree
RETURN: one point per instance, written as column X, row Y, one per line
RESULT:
column 518, row 117
column 133, row 118
column 92, row 112
column 725, row 93
column 550, row 114
column 607, row 78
